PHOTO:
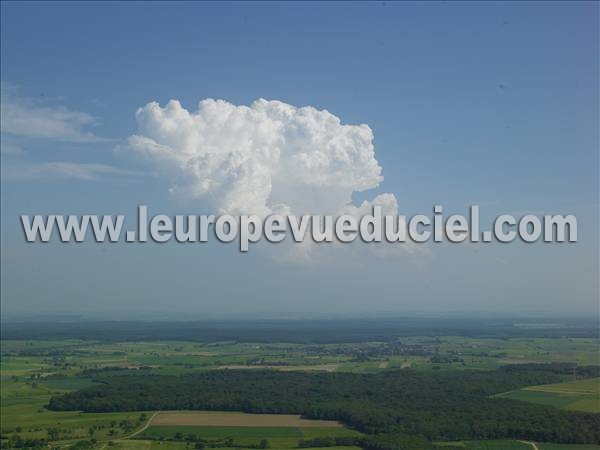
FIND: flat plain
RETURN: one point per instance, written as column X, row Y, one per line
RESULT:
column 32, row 371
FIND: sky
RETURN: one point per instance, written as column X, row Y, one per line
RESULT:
column 448, row 103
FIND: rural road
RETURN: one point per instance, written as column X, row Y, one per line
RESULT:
column 135, row 433
column 533, row 444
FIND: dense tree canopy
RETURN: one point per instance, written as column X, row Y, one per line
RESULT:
column 440, row 406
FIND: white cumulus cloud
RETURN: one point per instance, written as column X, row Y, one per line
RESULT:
column 263, row 158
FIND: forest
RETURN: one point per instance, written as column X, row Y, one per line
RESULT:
column 452, row 405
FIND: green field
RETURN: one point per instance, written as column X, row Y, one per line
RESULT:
column 157, row 445
column 513, row 445
column 487, row 445
column 23, row 408
column 580, row 395
column 548, row 446
column 278, row 437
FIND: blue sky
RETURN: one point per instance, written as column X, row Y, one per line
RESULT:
column 488, row 103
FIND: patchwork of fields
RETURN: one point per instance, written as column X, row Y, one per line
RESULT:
column 579, row 395
column 281, row 431
column 418, row 353
column 23, row 406
column 34, row 371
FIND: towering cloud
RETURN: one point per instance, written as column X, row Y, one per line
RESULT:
column 266, row 157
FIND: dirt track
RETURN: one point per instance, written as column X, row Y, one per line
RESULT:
column 533, row 444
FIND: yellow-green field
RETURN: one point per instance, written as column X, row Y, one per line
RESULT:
column 579, row 395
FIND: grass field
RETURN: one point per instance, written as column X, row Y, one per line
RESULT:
column 23, row 408
column 580, row 395
column 215, row 432
column 280, row 437
column 513, row 445
column 165, row 445
column 487, row 445
column 548, row 446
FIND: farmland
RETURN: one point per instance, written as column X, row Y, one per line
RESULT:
column 579, row 395
column 487, row 445
column 419, row 353
column 239, row 429
column 232, row 419
column 37, row 372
